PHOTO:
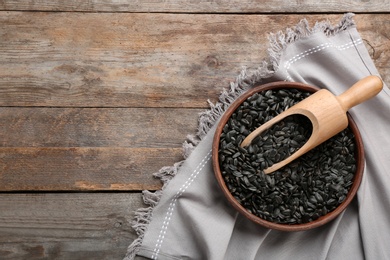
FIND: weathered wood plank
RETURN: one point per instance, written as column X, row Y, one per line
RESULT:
column 96, row 127
column 67, row 226
column 83, row 169
column 148, row 60
column 235, row 6
column 377, row 42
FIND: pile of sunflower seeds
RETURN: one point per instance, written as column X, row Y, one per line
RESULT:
column 302, row 191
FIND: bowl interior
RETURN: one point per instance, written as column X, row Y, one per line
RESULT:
column 359, row 156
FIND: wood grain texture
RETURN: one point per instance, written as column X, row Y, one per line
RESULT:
column 83, row 169
column 96, row 127
column 143, row 60
column 77, row 226
column 89, row 148
column 193, row 6
column 85, row 97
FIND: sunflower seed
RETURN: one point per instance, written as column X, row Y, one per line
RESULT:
column 300, row 192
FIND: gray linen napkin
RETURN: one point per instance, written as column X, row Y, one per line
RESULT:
column 191, row 219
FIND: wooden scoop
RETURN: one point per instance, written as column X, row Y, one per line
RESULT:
column 326, row 112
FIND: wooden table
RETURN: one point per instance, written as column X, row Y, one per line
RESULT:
column 96, row 96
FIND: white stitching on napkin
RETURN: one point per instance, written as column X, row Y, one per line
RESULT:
column 318, row 48
column 172, row 204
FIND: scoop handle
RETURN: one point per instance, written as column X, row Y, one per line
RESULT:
column 361, row 91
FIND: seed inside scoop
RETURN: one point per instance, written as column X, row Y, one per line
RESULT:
column 281, row 140
column 302, row 191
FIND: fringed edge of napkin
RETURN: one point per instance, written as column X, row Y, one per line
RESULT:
column 244, row 81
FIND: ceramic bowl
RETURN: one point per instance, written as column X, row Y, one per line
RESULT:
column 359, row 156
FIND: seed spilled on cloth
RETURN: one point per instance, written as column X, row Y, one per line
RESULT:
column 302, row 191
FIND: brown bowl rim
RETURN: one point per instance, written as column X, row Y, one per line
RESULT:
column 360, row 158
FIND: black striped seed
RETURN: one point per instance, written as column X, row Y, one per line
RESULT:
column 300, row 192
